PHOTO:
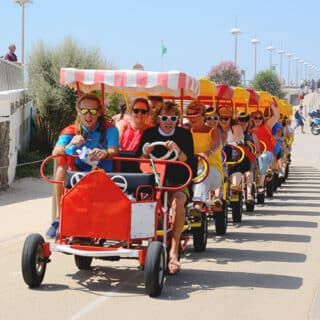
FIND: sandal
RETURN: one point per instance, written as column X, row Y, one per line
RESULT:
column 174, row 266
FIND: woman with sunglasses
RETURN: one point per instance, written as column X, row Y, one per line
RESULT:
column 262, row 129
column 130, row 130
column 233, row 136
column 207, row 143
column 249, row 138
column 178, row 139
column 92, row 130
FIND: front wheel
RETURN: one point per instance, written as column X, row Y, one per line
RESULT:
column 154, row 269
column 83, row 263
column 200, row 234
column 33, row 261
column 221, row 220
column 315, row 129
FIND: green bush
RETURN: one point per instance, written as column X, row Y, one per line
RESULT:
column 55, row 103
column 268, row 81
column 26, row 169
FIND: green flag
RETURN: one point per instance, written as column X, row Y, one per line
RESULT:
column 163, row 49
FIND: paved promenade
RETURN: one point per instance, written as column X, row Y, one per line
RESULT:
column 266, row 267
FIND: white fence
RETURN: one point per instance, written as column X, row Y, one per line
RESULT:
column 15, row 120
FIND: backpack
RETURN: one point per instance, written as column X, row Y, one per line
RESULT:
column 296, row 114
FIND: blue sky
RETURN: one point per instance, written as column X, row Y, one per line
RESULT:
column 196, row 33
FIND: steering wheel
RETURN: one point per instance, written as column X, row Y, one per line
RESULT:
column 204, row 169
column 121, row 182
column 76, row 177
column 165, row 156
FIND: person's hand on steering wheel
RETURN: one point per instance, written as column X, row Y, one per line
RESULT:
column 172, row 146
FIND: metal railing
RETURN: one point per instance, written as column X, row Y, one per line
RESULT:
column 11, row 75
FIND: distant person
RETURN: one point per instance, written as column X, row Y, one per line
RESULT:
column 11, row 56
column 312, row 85
column 299, row 119
column 155, row 103
column 122, row 115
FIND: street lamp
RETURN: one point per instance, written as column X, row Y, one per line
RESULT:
column 235, row 32
column 281, row 53
column 289, row 55
column 270, row 49
column 301, row 67
column 255, row 42
column 305, row 70
column 22, row 3
column 296, row 59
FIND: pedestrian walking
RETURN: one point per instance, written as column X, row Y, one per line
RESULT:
column 299, row 119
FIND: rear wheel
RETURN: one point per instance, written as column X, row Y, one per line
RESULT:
column 221, row 220
column 237, row 210
column 315, row 129
column 33, row 261
column 154, row 269
column 200, row 234
column 83, row 263
column 260, row 197
column 269, row 188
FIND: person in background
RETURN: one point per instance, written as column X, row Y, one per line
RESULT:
column 178, row 139
column 299, row 119
column 11, row 56
column 186, row 123
column 122, row 115
column 93, row 132
column 155, row 102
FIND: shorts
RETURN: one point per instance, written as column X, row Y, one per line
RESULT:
column 211, row 183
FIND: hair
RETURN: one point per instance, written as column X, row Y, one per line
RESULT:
column 197, row 106
column 143, row 100
column 123, row 109
column 168, row 106
column 101, row 120
column 156, row 98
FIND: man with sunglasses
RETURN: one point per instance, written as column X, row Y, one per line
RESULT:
column 93, row 131
column 178, row 139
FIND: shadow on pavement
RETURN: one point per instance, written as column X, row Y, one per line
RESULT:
column 225, row 255
column 259, row 223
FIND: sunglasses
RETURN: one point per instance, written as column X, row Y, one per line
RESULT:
column 243, row 119
column 93, row 112
column 142, row 111
column 166, row 118
column 216, row 118
column 258, row 118
column 225, row 118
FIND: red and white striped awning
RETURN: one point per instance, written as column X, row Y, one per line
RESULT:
column 131, row 82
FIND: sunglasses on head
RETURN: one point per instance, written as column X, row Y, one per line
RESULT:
column 164, row 118
column 93, row 112
column 258, row 118
column 208, row 118
column 142, row 111
column 225, row 118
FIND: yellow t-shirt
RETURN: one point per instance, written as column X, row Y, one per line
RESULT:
column 202, row 142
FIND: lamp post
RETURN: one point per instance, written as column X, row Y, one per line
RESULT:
column 305, row 70
column 235, row 32
column 289, row 55
column 301, row 68
column 296, row 59
column 22, row 3
column 270, row 49
column 255, row 42
column 281, row 53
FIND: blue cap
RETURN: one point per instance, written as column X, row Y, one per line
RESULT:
column 276, row 127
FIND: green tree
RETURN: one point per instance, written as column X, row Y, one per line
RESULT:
column 268, row 81
column 55, row 103
column 226, row 72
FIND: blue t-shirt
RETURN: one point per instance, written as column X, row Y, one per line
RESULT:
column 92, row 141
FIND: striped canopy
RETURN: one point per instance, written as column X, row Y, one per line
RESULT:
column 131, row 82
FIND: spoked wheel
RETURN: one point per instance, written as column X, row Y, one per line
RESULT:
column 237, row 209
column 33, row 262
column 200, row 234
column 154, row 269
column 315, row 129
column 83, row 263
column 221, row 220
